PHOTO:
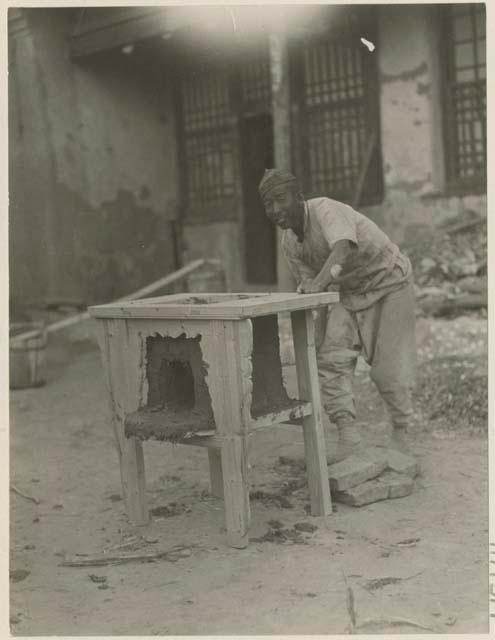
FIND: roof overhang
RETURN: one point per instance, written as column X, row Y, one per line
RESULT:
column 99, row 29
column 104, row 28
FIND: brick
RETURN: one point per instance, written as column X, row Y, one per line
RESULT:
column 402, row 463
column 366, row 493
column 399, row 484
column 353, row 471
column 387, row 486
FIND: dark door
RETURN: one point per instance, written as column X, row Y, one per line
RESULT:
column 259, row 232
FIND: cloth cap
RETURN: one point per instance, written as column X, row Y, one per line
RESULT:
column 274, row 178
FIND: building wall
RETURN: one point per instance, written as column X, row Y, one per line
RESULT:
column 411, row 123
column 93, row 174
column 415, row 196
column 218, row 240
column 93, row 159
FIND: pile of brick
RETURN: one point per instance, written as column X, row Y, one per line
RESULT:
column 450, row 266
column 370, row 477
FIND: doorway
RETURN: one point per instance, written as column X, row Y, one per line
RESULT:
column 260, row 251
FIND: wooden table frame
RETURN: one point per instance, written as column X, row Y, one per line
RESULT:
column 226, row 329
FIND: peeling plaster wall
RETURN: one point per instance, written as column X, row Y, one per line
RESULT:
column 92, row 164
column 411, row 125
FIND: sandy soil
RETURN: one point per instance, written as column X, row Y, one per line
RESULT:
column 420, row 560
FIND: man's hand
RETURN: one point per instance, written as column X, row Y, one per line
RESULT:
column 309, row 285
column 303, row 284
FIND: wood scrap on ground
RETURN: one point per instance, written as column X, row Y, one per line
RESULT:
column 350, row 605
column 102, row 559
column 26, row 496
column 378, row 583
column 379, row 623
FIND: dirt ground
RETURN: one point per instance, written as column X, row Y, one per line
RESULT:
column 412, row 565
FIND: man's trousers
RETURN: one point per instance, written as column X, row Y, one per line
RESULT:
column 384, row 334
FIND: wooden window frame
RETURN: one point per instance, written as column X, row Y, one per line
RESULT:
column 226, row 208
column 368, row 28
column 241, row 106
column 455, row 184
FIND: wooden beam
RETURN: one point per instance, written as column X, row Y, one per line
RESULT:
column 230, row 386
column 370, row 147
column 167, row 280
column 124, row 27
column 279, row 71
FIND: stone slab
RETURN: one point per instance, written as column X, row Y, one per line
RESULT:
column 402, row 463
column 365, row 493
column 399, row 484
column 354, row 471
column 388, row 485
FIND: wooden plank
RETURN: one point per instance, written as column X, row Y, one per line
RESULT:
column 122, row 358
column 266, row 305
column 235, row 300
column 216, row 475
column 209, row 437
column 210, row 441
column 285, row 415
column 153, row 425
column 171, row 278
column 130, row 29
column 167, row 280
column 111, row 558
column 309, row 389
column 102, row 329
column 227, row 352
column 235, row 347
column 130, row 298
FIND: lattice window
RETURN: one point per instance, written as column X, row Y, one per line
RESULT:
column 255, row 83
column 465, row 96
column 208, row 141
column 340, row 110
column 206, row 103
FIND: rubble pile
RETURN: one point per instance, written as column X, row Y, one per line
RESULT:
column 450, row 266
column 452, row 393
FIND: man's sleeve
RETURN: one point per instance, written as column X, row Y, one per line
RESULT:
column 337, row 223
column 298, row 268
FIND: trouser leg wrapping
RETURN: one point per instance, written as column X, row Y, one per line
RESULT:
column 337, row 359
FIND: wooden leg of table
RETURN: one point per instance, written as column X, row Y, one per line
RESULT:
column 309, row 389
column 134, row 482
column 216, row 476
column 227, row 350
column 121, row 354
column 234, row 454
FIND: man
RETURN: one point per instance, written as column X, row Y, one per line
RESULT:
column 327, row 243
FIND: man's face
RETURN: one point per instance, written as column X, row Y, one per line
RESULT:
column 285, row 206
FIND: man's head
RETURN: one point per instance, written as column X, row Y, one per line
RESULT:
column 282, row 199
